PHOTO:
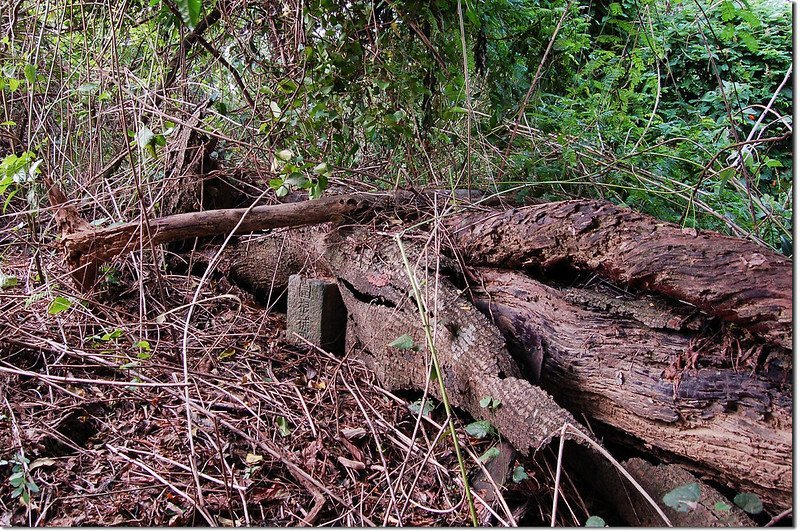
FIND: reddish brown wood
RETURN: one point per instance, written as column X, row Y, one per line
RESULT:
column 732, row 278
column 692, row 396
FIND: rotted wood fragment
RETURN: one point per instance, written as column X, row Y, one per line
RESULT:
column 712, row 509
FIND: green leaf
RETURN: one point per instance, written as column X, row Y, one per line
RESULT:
column 683, row 498
column 403, row 342
column 190, row 11
column 720, row 506
column 519, row 475
column 8, row 281
column 490, row 455
column 490, row 402
column 429, row 406
column 129, row 365
column 144, row 345
column 13, row 84
column 595, row 522
column 749, row 502
column 32, row 487
column 283, row 426
column 479, row 429
column 320, row 169
column 59, row 304
column 30, row 74
column 143, row 137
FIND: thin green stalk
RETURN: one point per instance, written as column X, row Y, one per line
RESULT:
column 429, row 339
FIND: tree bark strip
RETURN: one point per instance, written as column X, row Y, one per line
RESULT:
column 671, row 389
column 728, row 277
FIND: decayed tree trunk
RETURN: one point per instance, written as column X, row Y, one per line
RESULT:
column 651, row 372
column 727, row 277
column 635, row 365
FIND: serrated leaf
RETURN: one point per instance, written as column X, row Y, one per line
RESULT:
column 519, row 475
column 490, row 455
column 403, row 342
column 595, row 522
column 683, row 498
column 479, row 429
column 749, row 502
column 59, row 304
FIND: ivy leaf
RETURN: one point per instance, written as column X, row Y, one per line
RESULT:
column 403, row 342
column 595, row 522
column 749, row 502
column 284, row 155
column 683, row 498
column 416, row 405
column 490, row 455
column 479, row 429
column 519, row 474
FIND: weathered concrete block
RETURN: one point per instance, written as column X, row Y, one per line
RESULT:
column 315, row 311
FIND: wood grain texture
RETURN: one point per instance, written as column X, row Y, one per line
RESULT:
column 670, row 389
column 732, row 278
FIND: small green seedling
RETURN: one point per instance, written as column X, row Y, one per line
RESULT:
column 490, row 402
column 21, row 483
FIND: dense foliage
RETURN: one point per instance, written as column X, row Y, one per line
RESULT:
column 678, row 108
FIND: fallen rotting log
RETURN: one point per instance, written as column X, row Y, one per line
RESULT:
column 651, row 369
column 705, row 397
column 731, row 278
column 474, row 362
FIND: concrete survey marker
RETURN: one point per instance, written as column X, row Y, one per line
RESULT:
column 315, row 311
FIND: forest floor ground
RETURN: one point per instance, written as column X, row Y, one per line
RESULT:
column 102, row 419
